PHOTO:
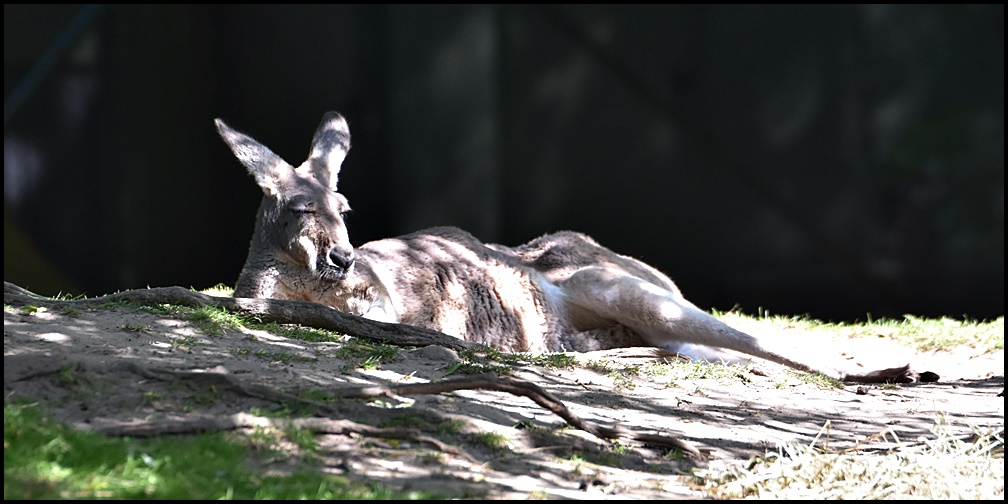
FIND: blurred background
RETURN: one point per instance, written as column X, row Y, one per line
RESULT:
column 836, row 161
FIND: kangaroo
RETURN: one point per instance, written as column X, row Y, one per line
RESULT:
column 559, row 292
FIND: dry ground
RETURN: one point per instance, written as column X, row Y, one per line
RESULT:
column 131, row 367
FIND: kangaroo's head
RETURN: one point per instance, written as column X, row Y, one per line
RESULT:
column 299, row 227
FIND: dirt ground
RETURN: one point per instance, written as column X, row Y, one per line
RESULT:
column 116, row 355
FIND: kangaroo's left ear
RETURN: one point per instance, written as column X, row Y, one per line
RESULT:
column 329, row 147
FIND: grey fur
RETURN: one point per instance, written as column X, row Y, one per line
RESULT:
column 559, row 292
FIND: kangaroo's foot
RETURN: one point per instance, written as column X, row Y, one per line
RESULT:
column 902, row 374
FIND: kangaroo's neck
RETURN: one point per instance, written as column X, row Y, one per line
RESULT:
column 259, row 278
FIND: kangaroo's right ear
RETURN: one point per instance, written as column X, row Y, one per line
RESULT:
column 267, row 167
column 329, row 147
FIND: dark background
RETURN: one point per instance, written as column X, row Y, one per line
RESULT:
column 837, row 161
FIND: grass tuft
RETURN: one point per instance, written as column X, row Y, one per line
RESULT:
column 944, row 467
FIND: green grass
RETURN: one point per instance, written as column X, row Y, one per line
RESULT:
column 493, row 440
column 484, row 359
column 923, row 334
column 938, row 334
column 219, row 290
column 676, row 369
column 356, row 348
column 137, row 328
column 45, row 460
column 284, row 356
column 819, row 380
column 70, row 311
column 451, row 427
column 214, row 321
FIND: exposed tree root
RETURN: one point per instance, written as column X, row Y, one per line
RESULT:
column 245, row 421
column 281, row 311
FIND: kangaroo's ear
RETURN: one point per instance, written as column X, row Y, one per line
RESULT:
column 267, row 167
column 329, row 147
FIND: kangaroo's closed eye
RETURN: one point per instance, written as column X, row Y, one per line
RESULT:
column 302, row 207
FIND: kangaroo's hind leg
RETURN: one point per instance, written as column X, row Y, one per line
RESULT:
column 664, row 318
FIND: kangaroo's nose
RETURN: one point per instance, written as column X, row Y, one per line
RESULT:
column 341, row 259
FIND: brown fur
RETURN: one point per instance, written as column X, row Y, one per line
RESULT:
column 559, row 292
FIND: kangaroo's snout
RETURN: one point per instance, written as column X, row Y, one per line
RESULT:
column 336, row 265
column 341, row 259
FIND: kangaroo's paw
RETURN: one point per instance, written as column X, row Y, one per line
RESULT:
column 902, row 374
